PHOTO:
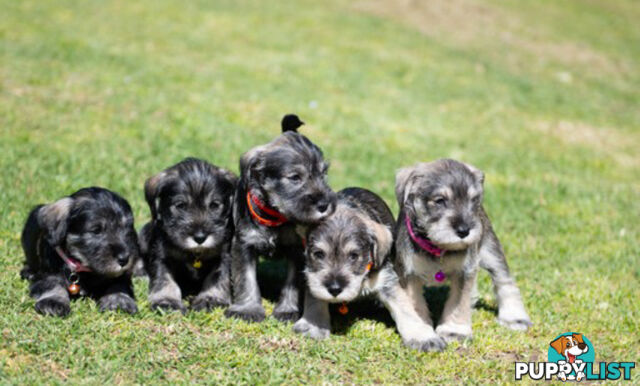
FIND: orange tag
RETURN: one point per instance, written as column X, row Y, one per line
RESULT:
column 73, row 288
column 369, row 266
column 343, row 309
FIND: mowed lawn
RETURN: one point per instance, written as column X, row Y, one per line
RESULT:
column 543, row 96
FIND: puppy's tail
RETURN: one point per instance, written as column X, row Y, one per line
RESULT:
column 291, row 122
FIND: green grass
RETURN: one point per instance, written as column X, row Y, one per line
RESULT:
column 543, row 96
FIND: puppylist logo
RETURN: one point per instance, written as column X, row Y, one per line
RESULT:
column 571, row 358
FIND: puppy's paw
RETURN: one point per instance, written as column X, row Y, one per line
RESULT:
column 286, row 315
column 168, row 305
column 310, row 330
column 253, row 313
column 53, row 307
column 207, row 303
column 450, row 332
column 517, row 324
column 431, row 344
column 118, row 301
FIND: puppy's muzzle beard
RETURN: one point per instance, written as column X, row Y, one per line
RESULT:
column 447, row 237
column 332, row 288
column 199, row 243
column 318, row 211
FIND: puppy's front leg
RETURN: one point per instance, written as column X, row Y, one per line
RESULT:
column 511, row 311
column 216, row 289
column 415, row 331
column 119, row 295
column 316, row 321
column 288, row 305
column 51, row 296
column 456, row 316
column 247, row 303
column 164, row 292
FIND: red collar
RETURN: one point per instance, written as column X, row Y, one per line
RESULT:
column 422, row 242
column 73, row 264
column 278, row 218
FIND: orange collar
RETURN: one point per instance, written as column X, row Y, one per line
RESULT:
column 278, row 218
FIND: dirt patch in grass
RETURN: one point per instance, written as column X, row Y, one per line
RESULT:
column 480, row 25
column 618, row 146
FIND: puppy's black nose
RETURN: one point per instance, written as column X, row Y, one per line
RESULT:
column 122, row 260
column 462, row 230
column 334, row 288
column 199, row 238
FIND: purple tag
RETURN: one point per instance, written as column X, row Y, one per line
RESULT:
column 440, row 276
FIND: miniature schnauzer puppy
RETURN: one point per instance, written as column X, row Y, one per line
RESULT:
column 444, row 233
column 282, row 185
column 348, row 255
column 81, row 245
column 186, row 245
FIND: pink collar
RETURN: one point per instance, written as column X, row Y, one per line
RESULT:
column 73, row 264
column 422, row 242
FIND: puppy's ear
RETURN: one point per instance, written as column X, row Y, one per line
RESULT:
column 152, row 188
column 558, row 345
column 291, row 122
column 578, row 338
column 251, row 166
column 476, row 172
column 381, row 240
column 404, row 181
column 232, row 180
column 53, row 219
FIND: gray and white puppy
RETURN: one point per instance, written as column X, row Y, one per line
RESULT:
column 349, row 255
column 186, row 245
column 81, row 245
column 441, row 202
column 283, row 184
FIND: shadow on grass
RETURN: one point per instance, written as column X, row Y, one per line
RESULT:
column 272, row 273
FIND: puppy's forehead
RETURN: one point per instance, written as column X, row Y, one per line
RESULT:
column 298, row 147
column 451, row 179
column 343, row 231
column 101, row 208
column 198, row 180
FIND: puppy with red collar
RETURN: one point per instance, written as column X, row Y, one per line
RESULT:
column 283, row 184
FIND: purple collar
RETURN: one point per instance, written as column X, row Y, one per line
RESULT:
column 73, row 264
column 422, row 242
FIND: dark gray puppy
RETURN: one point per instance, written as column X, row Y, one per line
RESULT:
column 444, row 233
column 349, row 255
column 282, row 185
column 81, row 245
column 186, row 245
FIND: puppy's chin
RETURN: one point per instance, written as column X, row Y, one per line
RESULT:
column 114, row 269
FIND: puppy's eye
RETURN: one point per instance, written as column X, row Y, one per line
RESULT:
column 180, row 205
column 295, row 178
column 318, row 255
column 440, row 201
column 353, row 256
column 96, row 229
column 214, row 205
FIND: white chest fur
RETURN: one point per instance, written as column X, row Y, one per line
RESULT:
column 425, row 266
